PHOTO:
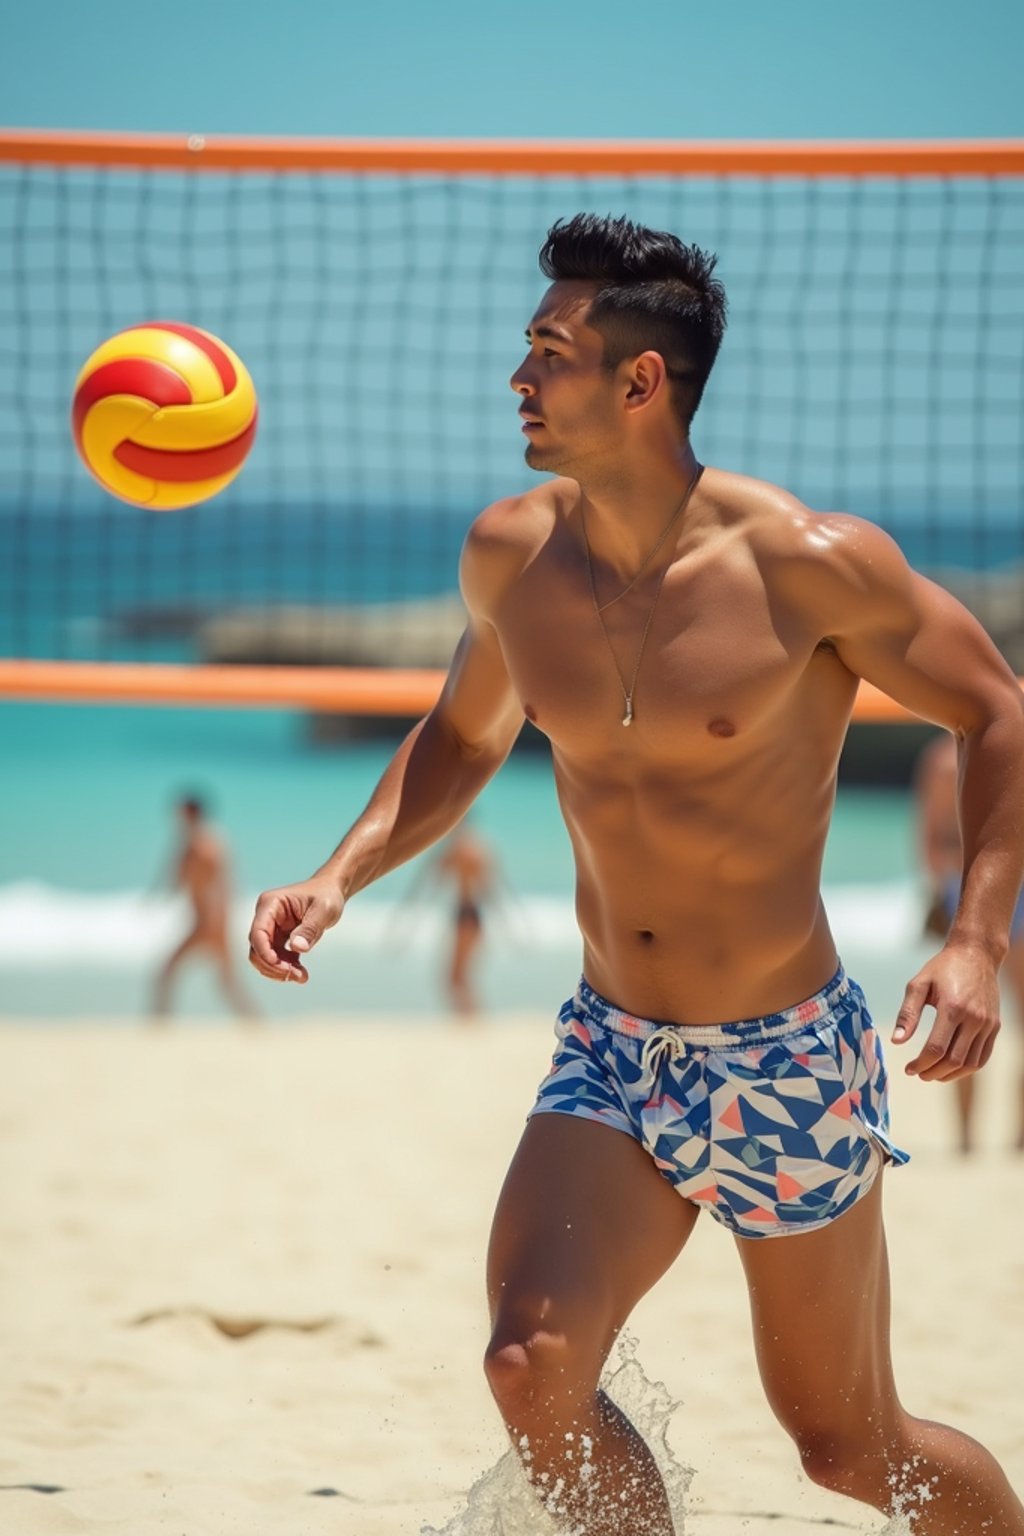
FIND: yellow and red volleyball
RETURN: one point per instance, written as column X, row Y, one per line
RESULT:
column 164, row 415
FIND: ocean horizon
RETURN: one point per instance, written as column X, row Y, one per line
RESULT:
column 118, row 583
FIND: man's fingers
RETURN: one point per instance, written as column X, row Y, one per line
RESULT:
column 316, row 919
column 973, row 1061
column 976, row 1054
column 952, row 1062
column 264, row 928
column 288, row 923
column 931, row 1052
column 261, row 947
column 974, row 1050
column 960, row 1043
column 987, row 1049
column 965, row 996
column 281, row 968
column 909, row 1016
column 937, row 1044
column 268, row 937
column 272, row 963
column 302, row 938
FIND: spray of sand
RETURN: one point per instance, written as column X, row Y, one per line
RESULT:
column 503, row 1503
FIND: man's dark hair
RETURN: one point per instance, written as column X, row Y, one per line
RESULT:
column 192, row 804
column 655, row 294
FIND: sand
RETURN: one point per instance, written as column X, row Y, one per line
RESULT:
column 241, row 1285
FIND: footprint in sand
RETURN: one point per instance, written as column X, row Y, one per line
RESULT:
column 234, row 1327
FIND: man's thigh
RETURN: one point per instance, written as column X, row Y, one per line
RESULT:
column 819, row 1305
column 585, row 1224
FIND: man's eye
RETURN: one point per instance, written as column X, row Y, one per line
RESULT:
column 549, row 352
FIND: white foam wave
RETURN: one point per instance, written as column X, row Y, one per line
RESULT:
column 123, row 929
column 884, row 917
column 62, row 927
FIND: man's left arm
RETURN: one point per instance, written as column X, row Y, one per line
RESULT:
column 920, row 646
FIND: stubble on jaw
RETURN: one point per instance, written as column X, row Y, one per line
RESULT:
column 545, row 465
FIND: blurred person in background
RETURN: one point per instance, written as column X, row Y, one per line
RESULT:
column 466, row 863
column 935, row 790
column 201, row 869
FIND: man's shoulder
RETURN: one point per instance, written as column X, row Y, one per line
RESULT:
column 846, row 554
column 778, row 524
column 831, row 566
column 523, row 519
column 505, row 536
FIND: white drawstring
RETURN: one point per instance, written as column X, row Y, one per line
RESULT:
column 660, row 1046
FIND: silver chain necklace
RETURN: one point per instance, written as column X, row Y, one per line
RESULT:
column 599, row 608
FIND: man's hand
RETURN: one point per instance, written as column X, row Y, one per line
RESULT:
column 961, row 983
column 288, row 922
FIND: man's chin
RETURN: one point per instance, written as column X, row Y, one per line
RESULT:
column 541, row 459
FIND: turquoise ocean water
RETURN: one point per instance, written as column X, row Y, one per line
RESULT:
column 86, row 832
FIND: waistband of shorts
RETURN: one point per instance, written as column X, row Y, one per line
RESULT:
column 595, row 1009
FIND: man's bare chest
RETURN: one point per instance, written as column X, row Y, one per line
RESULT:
column 713, row 658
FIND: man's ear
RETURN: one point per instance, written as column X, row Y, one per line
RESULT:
column 646, row 381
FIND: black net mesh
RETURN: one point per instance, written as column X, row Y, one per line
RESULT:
column 874, row 362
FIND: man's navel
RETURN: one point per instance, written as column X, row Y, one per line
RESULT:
column 720, row 726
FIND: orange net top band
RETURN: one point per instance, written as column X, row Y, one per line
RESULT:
column 909, row 157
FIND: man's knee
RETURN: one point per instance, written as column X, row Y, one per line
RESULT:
column 534, row 1360
column 519, row 1365
column 846, row 1462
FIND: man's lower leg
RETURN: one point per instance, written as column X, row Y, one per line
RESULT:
column 941, row 1480
column 594, row 1473
column 588, row 1465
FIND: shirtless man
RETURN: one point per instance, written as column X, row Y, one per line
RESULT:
column 939, row 830
column 691, row 642
column 201, row 871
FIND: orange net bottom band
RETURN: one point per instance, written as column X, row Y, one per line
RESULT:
column 335, row 690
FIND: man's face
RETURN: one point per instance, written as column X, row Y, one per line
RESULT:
column 568, row 399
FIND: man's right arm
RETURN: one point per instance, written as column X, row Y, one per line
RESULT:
column 437, row 772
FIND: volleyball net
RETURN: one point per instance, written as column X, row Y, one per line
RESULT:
column 378, row 292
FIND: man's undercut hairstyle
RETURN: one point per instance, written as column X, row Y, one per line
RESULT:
column 655, row 294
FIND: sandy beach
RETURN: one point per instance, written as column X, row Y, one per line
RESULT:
column 241, row 1285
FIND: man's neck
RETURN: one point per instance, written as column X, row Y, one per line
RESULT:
column 628, row 509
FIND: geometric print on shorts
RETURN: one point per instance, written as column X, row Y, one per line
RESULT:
column 775, row 1125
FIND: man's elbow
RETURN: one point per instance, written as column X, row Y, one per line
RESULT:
column 485, row 747
column 1000, row 713
column 1012, row 703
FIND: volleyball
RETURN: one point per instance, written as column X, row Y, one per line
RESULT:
column 164, row 415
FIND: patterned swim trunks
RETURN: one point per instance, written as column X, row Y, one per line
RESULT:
column 774, row 1125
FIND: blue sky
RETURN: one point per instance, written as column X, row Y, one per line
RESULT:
column 589, row 68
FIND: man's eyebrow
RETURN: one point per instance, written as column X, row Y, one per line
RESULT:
column 552, row 332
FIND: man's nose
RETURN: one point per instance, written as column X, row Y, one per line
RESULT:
column 521, row 381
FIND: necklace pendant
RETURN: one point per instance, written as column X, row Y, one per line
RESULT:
column 627, row 718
